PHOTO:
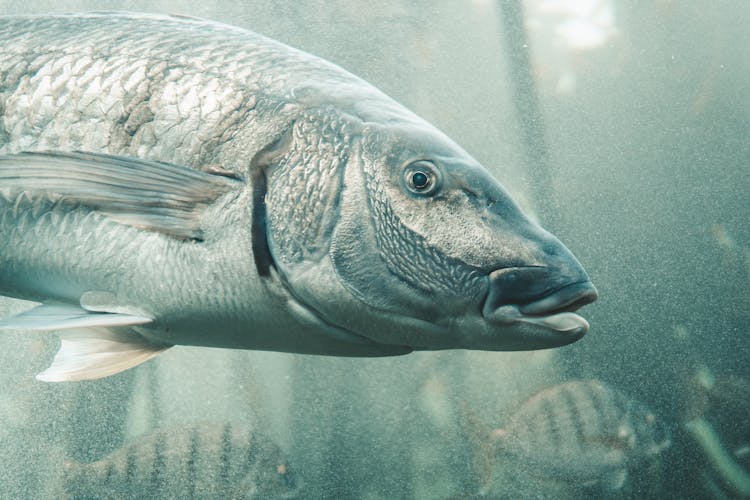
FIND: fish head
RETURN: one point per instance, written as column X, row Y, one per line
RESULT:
column 429, row 251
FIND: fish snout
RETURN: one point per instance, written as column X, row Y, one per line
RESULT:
column 544, row 296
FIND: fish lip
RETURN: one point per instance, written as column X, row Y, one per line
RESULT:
column 568, row 298
column 553, row 311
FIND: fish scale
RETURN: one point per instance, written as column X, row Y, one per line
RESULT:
column 303, row 202
column 162, row 88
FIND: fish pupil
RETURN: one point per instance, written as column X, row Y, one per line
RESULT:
column 420, row 180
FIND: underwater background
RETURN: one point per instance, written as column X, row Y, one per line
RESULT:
column 624, row 126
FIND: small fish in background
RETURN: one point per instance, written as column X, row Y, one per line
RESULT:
column 582, row 432
column 198, row 461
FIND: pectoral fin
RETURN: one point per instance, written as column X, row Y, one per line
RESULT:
column 98, row 352
column 62, row 316
column 150, row 195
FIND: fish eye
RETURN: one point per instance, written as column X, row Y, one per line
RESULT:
column 422, row 177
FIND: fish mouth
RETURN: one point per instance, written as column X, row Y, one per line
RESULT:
column 566, row 299
column 552, row 309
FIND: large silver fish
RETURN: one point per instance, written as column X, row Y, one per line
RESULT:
column 177, row 181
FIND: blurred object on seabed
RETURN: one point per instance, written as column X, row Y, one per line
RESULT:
column 718, row 422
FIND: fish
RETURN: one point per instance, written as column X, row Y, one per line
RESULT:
column 203, row 460
column 584, row 433
column 167, row 181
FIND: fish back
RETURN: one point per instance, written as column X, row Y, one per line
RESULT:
column 156, row 87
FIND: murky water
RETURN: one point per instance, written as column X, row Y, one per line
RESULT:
column 631, row 145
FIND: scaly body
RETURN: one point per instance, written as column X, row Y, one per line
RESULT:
column 177, row 181
column 158, row 89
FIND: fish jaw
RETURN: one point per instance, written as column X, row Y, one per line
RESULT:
column 542, row 332
column 506, row 328
column 519, row 334
column 551, row 313
column 544, row 323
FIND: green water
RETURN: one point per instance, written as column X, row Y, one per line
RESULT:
column 638, row 160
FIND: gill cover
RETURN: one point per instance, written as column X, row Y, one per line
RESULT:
column 304, row 185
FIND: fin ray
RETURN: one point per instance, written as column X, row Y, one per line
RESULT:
column 62, row 316
column 152, row 195
column 97, row 353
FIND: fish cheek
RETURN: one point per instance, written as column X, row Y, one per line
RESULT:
column 447, row 283
column 354, row 250
column 384, row 264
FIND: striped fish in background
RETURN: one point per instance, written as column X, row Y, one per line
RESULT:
column 198, row 461
column 582, row 432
